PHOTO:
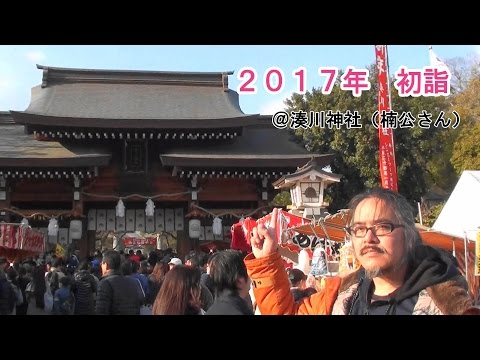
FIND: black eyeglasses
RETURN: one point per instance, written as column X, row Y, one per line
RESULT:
column 359, row 231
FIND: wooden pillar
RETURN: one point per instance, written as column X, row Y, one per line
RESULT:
column 183, row 244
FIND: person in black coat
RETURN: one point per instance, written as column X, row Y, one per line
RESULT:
column 7, row 299
column 117, row 294
column 83, row 287
column 22, row 282
column 40, row 287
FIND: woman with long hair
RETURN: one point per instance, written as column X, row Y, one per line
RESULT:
column 155, row 280
column 180, row 293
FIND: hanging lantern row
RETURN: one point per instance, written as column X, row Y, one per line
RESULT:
column 149, row 208
column 194, row 227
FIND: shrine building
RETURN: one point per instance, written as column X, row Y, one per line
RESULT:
column 106, row 153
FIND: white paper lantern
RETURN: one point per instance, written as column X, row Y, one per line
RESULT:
column 217, row 226
column 120, row 209
column 76, row 229
column 194, row 228
column 150, row 208
column 53, row 227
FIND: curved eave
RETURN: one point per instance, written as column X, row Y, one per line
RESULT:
column 328, row 177
column 236, row 161
column 25, row 118
column 18, row 149
column 66, row 162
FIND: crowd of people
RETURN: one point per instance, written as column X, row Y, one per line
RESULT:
column 398, row 275
column 131, row 283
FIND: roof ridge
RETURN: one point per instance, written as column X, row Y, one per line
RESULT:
column 55, row 75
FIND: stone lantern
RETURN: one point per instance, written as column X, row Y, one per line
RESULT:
column 307, row 186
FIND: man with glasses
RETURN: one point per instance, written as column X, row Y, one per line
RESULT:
column 398, row 275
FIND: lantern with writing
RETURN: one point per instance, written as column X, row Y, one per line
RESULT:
column 76, row 229
column 194, row 228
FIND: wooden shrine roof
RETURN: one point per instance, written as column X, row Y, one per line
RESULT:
column 133, row 99
column 18, row 149
column 259, row 146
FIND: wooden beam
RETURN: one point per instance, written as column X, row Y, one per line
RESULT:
column 41, row 196
column 43, row 212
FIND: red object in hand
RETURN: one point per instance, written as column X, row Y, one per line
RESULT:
column 242, row 231
column 285, row 221
column 241, row 234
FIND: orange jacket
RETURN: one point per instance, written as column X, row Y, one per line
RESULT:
column 272, row 289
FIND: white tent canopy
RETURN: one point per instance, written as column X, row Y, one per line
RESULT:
column 461, row 214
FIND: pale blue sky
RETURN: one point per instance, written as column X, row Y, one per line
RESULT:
column 18, row 72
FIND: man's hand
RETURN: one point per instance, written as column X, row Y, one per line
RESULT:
column 264, row 240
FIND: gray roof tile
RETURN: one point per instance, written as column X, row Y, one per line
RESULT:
column 18, row 149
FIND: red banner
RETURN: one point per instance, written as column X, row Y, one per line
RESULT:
column 8, row 236
column 388, row 168
column 21, row 238
column 133, row 242
column 31, row 240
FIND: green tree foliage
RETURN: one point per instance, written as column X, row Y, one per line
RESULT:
column 356, row 150
column 466, row 149
column 282, row 199
column 431, row 215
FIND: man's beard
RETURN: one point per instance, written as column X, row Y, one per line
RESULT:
column 374, row 272
column 377, row 271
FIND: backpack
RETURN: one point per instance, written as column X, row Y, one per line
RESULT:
column 53, row 282
column 68, row 306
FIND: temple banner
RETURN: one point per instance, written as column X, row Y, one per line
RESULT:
column 31, row 240
column 139, row 242
column 388, row 168
column 21, row 238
